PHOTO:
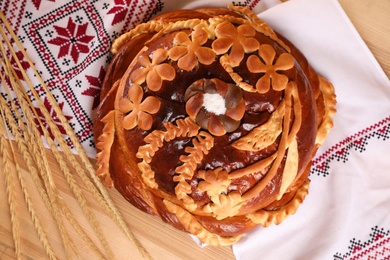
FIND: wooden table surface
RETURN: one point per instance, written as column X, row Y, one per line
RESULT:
column 370, row 18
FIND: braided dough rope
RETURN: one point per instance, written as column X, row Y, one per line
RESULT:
column 151, row 26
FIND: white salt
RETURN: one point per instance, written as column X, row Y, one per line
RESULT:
column 214, row 103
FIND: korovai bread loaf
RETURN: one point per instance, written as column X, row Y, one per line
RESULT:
column 209, row 119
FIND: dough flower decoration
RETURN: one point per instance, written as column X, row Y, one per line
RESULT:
column 270, row 68
column 188, row 52
column 215, row 105
column 138, row 111
column 238, row 39
column 153, row 71
column 225, row 205
column 214, row 182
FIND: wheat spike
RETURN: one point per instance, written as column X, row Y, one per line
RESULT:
column 21, row 125
column 10, row 190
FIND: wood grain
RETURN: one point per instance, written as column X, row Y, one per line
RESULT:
column 370, row 18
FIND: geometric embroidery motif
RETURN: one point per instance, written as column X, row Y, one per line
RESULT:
column 41, row 122
column 72, row 39
column 94, row 88
column 70, row 42
column 119, row 10
column 376, row 248
column 250, row 4
column 340, row 151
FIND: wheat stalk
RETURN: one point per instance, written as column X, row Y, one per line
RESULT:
column 41, row 234
column 26, row 105
column 27, row 137
column 6, row 158
column 38, row 152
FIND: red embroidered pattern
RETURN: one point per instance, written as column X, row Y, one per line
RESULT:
column 14, row 11
column 72, row 39
column 69, row 43
column 119, row 10
column 140, row 11
column 82, row 24
column 358, row 141
column 250, row 4
column 94, row 88
column 37, row 3
column 25, row 64
column 41, row 122
column 378, row 247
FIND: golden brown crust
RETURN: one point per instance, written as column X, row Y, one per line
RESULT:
column 210, row 119
column 268, row 217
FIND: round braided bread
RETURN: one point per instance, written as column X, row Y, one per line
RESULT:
column 209, row 119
